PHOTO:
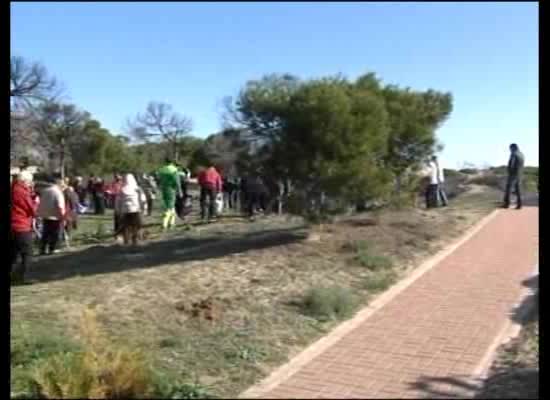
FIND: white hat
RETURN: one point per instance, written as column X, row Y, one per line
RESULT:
column 25, row 177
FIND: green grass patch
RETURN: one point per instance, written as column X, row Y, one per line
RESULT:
column 327, row 303
column 380, row 281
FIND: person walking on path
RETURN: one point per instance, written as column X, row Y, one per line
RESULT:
column 515, row 175
column 23, row 211
column 211, row 184
column 52, row 212
column 170, row 187
column 129, row 204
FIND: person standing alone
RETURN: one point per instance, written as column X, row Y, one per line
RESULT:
column 515, row 175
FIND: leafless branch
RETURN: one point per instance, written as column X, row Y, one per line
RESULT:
column 30, row 84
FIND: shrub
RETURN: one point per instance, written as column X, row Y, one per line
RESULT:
column 451, row 173
column 357, row 245
column 102, row 370
column 373, row 262
column 329, row 302
column 491, row 180
column 468, row 171
column 380, row 281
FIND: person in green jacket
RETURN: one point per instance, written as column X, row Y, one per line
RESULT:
column 170, row 187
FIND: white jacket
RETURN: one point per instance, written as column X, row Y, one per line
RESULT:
column 129, row 201
column 436, row 173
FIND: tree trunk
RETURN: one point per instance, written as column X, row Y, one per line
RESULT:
column 62, row 159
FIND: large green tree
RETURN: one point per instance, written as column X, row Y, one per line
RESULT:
column 413, row 118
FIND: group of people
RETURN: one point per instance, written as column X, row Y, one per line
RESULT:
column 62, row 200
column 435, row 192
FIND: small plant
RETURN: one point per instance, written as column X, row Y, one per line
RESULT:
column 244, row 353
column 380, row 281
column 101, row 370
column 168, row 342
column 329, row 302
column 166, row 387
column 373, row 262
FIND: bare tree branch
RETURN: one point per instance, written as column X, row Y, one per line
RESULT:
column 160, row 122
column 30, row 84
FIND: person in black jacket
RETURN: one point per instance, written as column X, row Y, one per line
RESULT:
column 515, row 175
column 256, row 194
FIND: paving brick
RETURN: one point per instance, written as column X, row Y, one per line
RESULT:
column 439, row 327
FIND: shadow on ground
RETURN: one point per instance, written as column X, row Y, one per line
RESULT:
column 512, row 376
column 113, row 258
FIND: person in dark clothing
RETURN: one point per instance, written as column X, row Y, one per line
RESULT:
column 256, row 195
column 90, row 189
column 243, row 199
column 515, row 175
column 98, row 193
column 81, row 191
column 23, row 210
column 229, row 192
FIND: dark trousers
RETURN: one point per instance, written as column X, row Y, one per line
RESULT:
column 116, row 224
column 150, row 202
column 243, row 198
column 20, row 246
column 208, row 195
column 99, row 204
column 256, row 200
column 50, row 236
column 431, row 196
column 230, row 198
column 513, row 183
column 441, row 195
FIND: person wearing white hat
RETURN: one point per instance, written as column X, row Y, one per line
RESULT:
column 22, row 213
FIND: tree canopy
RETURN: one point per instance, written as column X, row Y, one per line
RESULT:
column 347, row 138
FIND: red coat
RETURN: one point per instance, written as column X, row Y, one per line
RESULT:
column 23, row 208
column 210, row 178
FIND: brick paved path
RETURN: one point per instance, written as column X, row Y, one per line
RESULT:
column 434, row 334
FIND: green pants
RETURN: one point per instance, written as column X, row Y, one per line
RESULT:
column 169, row 208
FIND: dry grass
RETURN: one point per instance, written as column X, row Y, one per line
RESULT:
column 255, row 274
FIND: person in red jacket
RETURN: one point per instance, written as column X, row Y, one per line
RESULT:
column 23, row 210
column 210, row 182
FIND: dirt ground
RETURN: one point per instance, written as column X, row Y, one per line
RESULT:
column 217, row 304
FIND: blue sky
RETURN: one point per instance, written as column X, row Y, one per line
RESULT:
column 115, row 57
